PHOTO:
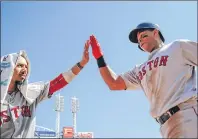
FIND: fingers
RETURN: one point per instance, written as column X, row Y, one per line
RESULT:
column 93, row 40
column 86, row 51
column 96, row 50
column 86, row 48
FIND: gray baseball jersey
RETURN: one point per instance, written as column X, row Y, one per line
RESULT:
column 18, row 108
column 18, row 116
column 168, row 77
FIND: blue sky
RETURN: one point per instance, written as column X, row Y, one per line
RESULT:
column 53, row 34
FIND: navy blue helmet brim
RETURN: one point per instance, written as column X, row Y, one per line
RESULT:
column 133, row 36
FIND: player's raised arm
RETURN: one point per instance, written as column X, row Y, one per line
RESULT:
column 114, row 82
column 66, row 77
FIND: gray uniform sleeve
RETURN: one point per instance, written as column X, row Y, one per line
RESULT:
column 38, row 91
column 189, row 52
column 131, row 80
column 44, row 94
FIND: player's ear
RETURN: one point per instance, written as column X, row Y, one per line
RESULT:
column 155, row 33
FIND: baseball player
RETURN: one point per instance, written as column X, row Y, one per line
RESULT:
column 19, row 99
column 168, row 79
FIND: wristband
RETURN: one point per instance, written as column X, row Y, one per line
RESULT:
column 101, row 62
column 78, row 64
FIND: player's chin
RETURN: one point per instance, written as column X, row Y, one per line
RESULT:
column 146, row 48
column 21, row 79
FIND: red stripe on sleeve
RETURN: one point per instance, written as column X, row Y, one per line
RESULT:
column 56, row 84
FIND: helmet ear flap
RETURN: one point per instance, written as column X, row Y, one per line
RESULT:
column 140, row 48
column 161, row 36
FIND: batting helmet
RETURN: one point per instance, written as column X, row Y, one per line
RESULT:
column 143, row 26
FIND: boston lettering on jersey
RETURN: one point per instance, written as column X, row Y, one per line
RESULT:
column 159, row 61
column 16, row 111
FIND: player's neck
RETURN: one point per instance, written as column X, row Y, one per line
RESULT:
column 159, row 45
column 12, row 87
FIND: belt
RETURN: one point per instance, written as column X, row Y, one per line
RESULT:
column 164, row 117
